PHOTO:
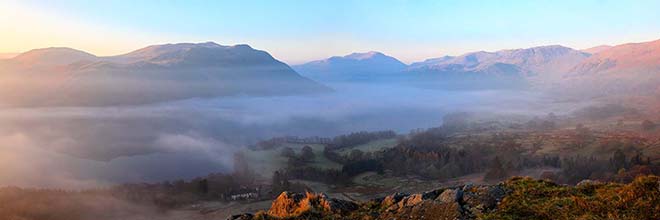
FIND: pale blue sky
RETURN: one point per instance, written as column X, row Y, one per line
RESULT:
column 297, row 31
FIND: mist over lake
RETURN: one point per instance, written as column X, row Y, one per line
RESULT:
column 95, row 146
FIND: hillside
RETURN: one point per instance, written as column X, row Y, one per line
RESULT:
column 68, row 77
column 517, row 198
column 7, row 55
column 628, row 72
column 623, row 59
column 54, row 56
column 596, row 49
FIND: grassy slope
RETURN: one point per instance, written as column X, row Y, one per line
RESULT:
column 525, row 198
column 539, row 199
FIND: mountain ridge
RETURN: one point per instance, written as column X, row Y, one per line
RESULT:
column 596, row 49
column 535, row 59
column 623, row 57
column 152, row 74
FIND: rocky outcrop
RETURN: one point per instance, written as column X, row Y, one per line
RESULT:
column 516, row 198
column 289, row 205
column 465, row 202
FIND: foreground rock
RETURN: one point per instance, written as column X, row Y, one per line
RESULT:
column 517, row 198
column 448, row 203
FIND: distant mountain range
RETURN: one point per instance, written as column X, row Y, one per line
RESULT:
column 65, row 76
column 528, row 62
column 504, row 68
column 353, row 67
column 500, row 69
column 539, row 67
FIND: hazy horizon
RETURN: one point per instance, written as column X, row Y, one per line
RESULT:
column 421, row 30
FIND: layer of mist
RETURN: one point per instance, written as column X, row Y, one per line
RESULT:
column 74, row 147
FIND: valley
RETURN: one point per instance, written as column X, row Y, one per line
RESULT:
column 207, row 131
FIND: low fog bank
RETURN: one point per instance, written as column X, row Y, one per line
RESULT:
column 84, row 147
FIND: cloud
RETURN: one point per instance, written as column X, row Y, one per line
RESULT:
column 23, row 164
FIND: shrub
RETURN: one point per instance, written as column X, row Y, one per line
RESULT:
column 648, row 125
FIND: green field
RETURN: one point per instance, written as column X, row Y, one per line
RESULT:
column 265, row 162
column 372, row 146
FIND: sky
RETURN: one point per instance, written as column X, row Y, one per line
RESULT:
column 299, row 31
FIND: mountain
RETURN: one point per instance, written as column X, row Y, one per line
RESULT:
column 7, row 55
column 54, row 56
column 500, row 69
column 477, row 70
column 632, row 68
column 431, row 62
column 596, row 49
column 156, row 52
column 623, row 59
column 64, row 76
column 352, row 67
column 531, row 61
column 197, row 55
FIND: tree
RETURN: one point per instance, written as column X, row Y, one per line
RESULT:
column 280, row 183
column 358, row 138
column 203, row 186
column 648, row 125
column 582, row 136
column 549, row 175
column 638, row 159
column 618, row 160
column 287, row 152
column 548, row 125
column 307, row 153
column 356, row 154
column 497, row 171
column 295, row 162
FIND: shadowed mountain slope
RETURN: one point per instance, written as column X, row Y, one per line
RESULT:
column 67, row 77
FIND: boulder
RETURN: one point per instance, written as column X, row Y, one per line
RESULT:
column 482, row 199
column 448, row 196
column 296, row 204
column 391, row 199
column 246, row 216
